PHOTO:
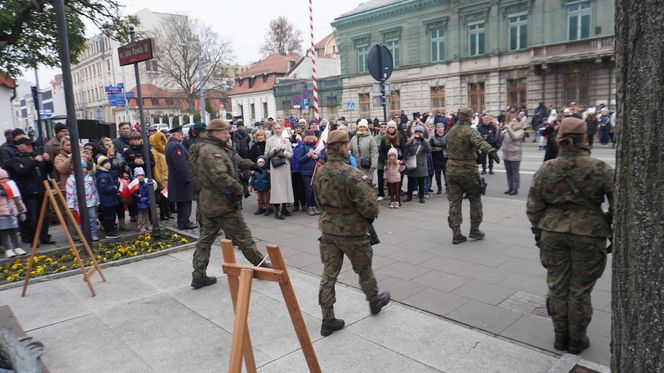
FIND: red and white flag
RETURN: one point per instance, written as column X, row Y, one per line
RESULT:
column 322, row 140
column 133, row 186
column 11, row 189
column 164, row 192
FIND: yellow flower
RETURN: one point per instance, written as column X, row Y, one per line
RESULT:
column 12, row 278
column 184, row 240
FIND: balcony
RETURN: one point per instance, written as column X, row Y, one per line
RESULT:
column 573, row 50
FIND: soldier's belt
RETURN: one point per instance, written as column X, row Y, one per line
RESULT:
column 337, row 210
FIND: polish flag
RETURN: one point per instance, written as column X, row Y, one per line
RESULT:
column 11, row 189
column 164, row 192
column 133, row 186
column 322, row 140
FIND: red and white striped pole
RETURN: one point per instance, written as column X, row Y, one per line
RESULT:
column 313, row 62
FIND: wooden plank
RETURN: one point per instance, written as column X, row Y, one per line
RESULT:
column 265, row 274
column 240, row 329
column 35, row 243
column 247, row 350
column 294, row 309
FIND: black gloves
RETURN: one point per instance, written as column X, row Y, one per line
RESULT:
column 494, row 156
column 538, row 236
column 257, row 169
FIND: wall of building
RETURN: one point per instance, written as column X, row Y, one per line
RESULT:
column 242, row 104
column 6, row 111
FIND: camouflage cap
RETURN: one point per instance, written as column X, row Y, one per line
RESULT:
column 218, row 125
column 337, row 136
column 571, row 126
column 466, row 111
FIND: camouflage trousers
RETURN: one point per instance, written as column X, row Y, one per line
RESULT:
column 332, row 250
column 573, row 264
column 233, row 225
column 457, row 185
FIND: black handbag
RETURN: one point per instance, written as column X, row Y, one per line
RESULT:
column 278, row 161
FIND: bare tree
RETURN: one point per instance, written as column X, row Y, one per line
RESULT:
column 182, row 43
column 638, row 272
column 282, row 38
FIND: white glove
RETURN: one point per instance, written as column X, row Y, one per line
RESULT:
column 22, row 217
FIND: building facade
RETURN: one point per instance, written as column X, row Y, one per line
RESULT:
column 252, row 95
column 486, row 54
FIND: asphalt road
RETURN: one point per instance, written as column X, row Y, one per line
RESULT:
column 532, row 160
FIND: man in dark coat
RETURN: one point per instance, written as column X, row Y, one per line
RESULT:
column 122, row 143
column 28, row 172
column 489, row 133
column 180, row 189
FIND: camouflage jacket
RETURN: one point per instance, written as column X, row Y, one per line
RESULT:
column 213, row 177
column 463, row 143
column 345, row 198
column 553, row 204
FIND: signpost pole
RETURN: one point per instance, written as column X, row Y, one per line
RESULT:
column 146, row 152
column 71, row 117
column 382, row 87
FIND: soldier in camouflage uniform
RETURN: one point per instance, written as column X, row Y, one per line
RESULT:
column 348, row 204
column 194, row 142
column 463, row 143
column 214, row 179
column 570, row 227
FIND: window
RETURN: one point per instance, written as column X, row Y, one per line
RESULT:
column 363, row 105
column 108, row 65
column 516, row 92
column 145, row 101
column 437, row 99
column 154, row 101
column 253, row 111
column 287, row 106
column 331, row 106
column 476, row 39
column 393, row 46
column 518, row 32
column 476, row 96
column 264, row 110
column 169, row 101
column 578, row 20
column 362, row 53
column 437, row 36
column 576, row 88
column 395, row 100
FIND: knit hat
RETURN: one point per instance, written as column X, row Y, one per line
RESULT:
column 59, row 127
column 393, row 151
column 392, row 124
column 419, row 129
column 3, row 174
column 363, row 123
column 138, row 171
column 261, row 159
column 104, row 163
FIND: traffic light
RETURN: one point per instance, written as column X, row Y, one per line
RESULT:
column 35, row 97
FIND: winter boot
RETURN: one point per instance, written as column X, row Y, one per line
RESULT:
column 330, row 326
column 277, row 213
column 269, row 211
column 285, row 211
column 199, row 282
column 476, row 234
column 457, row 237
column 421, row 200
column 382, row 301
column 577, row 345
column 260, row 211
column 296, row 208
column 560, row 342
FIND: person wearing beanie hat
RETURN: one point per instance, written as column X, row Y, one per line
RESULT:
column 392, row 174
column 260, row 183
column 415, row 152
column 391, row 139
column 91, row 197
column 12, row 210
column 108, row 196
column 380, row 165
column 52, row 147
column 307, row 158
column 364, row 149
column 348, row 206
column 565, row 211
column 463, row 143
column 142, row 199
column 438, row 143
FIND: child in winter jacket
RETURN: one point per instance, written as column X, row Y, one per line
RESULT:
column 307, row 159
column 260, row 182
column 12, row 210
column 91, row 198
column 108, row 196
column 392, row 175
column 142, row 199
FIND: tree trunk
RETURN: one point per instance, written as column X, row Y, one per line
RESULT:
column 638, row 264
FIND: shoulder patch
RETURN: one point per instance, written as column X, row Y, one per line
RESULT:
column 217, row 155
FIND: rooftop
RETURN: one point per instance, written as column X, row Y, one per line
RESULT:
column 369, row 5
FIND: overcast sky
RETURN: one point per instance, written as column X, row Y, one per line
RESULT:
column 242, row 21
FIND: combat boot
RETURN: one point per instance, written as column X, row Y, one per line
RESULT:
column 382, row 301
column 560, row 342
column 199, row 282
column 577, row 345
column 476, row 234
column 458, row 238
column 330, row 326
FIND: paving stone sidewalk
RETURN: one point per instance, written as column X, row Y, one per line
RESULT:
column 147, row 319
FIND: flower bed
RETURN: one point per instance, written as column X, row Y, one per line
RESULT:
column 62, row 260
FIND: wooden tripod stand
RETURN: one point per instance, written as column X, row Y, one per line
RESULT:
column 52, row 190
column 239, row 281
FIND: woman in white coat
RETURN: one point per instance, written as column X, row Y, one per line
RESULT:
column 512, row 138
column 278, row 146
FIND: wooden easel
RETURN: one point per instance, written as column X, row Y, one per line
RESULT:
column 52, row 189
column 239, row 281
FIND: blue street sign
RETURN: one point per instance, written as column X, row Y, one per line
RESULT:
column 305, row 102
column 351, row 106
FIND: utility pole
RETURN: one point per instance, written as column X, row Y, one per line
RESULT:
column 72, row 124
column 39, row 105
column 201, row 84
column 144, row 134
